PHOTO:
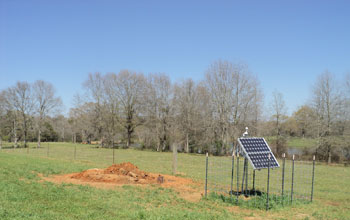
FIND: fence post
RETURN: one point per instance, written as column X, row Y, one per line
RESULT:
column 246, row 179
column 48, row 149
column 254, row 181
column 113, row 154
column 283, row 168
column 243, row 176
column 75, row 150
column 206, row 175
column 291, row 194
column 268, row 183
column 313, row 176
column 174, row 158
column 232, row 168
column 237, row 193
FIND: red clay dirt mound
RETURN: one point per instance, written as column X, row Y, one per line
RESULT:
column 127, row 174
column 124, row 173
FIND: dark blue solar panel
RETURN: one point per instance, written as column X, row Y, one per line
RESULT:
column 257, row 151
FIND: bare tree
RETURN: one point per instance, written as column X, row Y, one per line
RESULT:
column 234, row 91
column 187, row 103
column 279, row 115
column 45, row 103
column 129, row 87
column 157, row 105
column 95, row 86
column 279, row 110
column 20, row 99
column 327, row 103
column 112, row 108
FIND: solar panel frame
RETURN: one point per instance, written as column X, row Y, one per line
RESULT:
column 258, row 151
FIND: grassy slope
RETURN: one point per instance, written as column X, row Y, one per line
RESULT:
column 24, row 197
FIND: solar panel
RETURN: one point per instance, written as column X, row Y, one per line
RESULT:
column 257, row 151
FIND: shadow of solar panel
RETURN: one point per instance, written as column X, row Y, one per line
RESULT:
column 257, row 151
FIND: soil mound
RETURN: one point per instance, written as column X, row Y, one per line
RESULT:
column 129, row 174
column 124, row 173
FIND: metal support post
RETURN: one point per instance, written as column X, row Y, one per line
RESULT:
column 246, row 178
column 291, row 194
column 313, row 178
column 268, row 183
column 206, row 175
column 237, row 192
column 243, row 176
column 283, row 169
column 232, row 169
column 254, row 181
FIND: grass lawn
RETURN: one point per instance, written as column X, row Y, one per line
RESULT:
column 25, row 196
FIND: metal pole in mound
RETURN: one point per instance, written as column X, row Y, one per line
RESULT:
column 313, row 176
column 232, row 168
column 237, row 192
column 206, row 175
column 291, row 194
column 283, row 168
column 268, row 184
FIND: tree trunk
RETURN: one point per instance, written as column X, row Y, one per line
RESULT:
column 128, row 140
column 25, row 130
column 329, row 156
column 39, row 138
column 15, row 132
column 187, row 144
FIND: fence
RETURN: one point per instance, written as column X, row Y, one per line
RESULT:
column 291, row 183
column 188, row 165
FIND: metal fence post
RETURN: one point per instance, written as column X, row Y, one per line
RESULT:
column 283, row 169
column 75, row 151
column 254, row 181
column 246, row 179
column 243, row 176
column 237, row 192
column 113, row 154
column 313, row 176
column 291, row 194
column 206, row 174
column 232, row 169
column 268, row 183
column 48, row 149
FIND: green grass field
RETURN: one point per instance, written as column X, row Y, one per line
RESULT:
column 24, row 196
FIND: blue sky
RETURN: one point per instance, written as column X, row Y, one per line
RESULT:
column 286, row 44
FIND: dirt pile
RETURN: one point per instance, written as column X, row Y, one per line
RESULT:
column 129, row 174
column 124, row 173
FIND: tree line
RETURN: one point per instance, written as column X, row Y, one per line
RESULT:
column 129, row 109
